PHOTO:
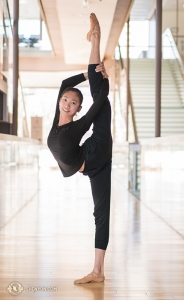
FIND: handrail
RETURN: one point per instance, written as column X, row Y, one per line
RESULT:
column 133, row 115
column 176, row 35
column 9, row 138
column 131, row 102
column 174, row 48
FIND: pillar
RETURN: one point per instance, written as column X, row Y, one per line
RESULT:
column 127, row 79
column 15, row 65
column 158, row 73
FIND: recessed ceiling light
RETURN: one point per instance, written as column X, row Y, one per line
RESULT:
column 85, row 3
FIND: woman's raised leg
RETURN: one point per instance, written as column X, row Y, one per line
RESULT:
column 95, row 40
column 94, row 37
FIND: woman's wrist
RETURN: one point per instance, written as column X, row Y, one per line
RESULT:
column 86, row 75
column 105, row 75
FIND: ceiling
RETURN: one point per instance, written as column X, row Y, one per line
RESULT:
column 28, row 9
column 141, row 9
column 67, row 23
column 144, row 9
column 74, row 25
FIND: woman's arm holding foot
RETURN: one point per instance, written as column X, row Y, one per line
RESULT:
column 101, row 68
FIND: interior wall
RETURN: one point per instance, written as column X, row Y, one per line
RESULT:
column 169, row 21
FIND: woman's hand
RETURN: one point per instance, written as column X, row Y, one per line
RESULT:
column 101, row 68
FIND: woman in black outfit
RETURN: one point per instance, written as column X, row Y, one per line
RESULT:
column 94, row 157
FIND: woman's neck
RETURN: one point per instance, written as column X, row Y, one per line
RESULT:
column 63, row 121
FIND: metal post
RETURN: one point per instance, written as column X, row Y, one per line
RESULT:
column 41, row 29
column 158, row 72
column 130, row 100
column 127, row 79
column 134, row 179
column 177, row 27
column 15, row 64
column 114, row 104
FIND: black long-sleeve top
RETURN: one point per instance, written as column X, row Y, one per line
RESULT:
column 63, row 141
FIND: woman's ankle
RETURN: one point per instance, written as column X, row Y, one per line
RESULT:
column 99, row 270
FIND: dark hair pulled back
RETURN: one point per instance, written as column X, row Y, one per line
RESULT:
column 75, row 90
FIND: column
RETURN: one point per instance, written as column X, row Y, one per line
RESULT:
column 158, row 73
column 15, row 65
column 127, row 79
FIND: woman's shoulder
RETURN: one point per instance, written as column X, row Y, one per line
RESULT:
column 79, row 121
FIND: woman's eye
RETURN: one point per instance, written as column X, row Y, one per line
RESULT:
column 74, row 103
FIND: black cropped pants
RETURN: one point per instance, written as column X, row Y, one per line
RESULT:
column 98, row 162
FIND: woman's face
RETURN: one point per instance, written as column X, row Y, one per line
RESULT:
column 69, row 104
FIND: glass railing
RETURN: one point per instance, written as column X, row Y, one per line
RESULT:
column 172, row 48
column 33, row 34
column 33, row 38
column 19, row 175
column 179, row 41
column 6, row 72
column 171, row 51
column 16, row 151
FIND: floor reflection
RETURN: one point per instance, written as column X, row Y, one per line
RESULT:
column 49, row 240
column 94, row 291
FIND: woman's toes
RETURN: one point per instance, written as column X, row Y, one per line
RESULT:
column 94, row 25
column 93, row 19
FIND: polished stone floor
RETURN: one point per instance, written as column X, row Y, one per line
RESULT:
column 47, row 240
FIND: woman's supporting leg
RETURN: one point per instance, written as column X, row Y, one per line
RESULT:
column 101, row 190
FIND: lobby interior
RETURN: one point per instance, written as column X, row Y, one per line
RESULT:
column 46, row 221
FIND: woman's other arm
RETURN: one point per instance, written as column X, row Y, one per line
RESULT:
column 69, row 82
column 72, row 81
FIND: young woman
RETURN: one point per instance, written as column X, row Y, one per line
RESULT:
column 93, row 158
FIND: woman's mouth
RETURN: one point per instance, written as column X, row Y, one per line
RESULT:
column 65, row 110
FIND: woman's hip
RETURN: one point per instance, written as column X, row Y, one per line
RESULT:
column 96, row 155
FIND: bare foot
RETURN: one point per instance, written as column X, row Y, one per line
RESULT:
column 94, row 27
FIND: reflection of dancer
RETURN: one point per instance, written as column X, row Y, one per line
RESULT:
column 93, row 158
